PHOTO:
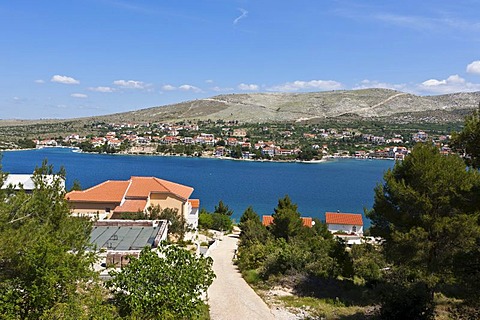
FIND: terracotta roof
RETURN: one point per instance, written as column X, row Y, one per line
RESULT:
column 195, row 203
column 307, row 221
column 108, row 191
column 131, row 206
column 344, row 218
column 141, row 187
column 136, row 188
column 268, row 220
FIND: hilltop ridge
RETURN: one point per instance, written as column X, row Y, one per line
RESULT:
column 278, row 107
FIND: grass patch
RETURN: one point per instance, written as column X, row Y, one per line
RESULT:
column 204, row 312
column 251, row 277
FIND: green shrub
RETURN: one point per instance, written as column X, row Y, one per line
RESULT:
column 251, row 276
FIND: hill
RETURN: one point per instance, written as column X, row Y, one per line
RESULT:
column 273, row 107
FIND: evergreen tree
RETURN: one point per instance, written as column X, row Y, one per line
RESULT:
column 76, row 186
column 427, row 211
column 286, row 219
column 252, row 228
column 249, row 214
column 222, row 208
column 467, row 141
column 44, row 262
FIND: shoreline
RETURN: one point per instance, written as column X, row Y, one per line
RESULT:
column 323, row 160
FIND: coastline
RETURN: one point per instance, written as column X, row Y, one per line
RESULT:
column 325, row 159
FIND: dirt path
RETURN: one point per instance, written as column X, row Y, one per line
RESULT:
column 229, row 296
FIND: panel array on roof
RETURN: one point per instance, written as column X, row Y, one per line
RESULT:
column 123, row 238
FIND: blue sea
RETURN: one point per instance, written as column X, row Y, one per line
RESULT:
column 344, row 184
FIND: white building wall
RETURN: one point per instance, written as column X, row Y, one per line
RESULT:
column 193, row 218
column 333, row 228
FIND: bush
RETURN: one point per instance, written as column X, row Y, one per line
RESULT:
column 404, row 297
column 251, row 276
column 205, row 220
column 221, row 222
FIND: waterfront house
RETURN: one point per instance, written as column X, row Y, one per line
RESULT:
column 347, row 226
column 112, row 198
column 268, row 151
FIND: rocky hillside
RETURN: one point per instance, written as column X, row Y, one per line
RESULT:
column 268, row 107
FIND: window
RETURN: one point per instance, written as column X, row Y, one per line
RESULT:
column 354, row 229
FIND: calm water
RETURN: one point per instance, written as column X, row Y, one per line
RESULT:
column 345, row 185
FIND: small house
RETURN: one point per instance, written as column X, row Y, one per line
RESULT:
column 347, row 226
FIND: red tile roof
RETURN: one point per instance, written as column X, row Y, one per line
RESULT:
column 195, row 203
column 268, row 220
column 131, row 206
column 307, row 221
column 142, row 187
column 344, row 218
column 136, row 188
column 108, row 191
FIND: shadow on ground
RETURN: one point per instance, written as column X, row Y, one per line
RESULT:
column 344, row 291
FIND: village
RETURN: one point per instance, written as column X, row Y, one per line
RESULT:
column 231, row 140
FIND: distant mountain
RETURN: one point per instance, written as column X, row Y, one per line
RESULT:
column 269, row 107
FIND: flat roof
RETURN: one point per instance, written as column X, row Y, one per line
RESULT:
column 19, row 181
column 123, row 238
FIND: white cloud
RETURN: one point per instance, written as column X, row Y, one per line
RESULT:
column 220, row 89
column 130, row 84
column 248, row 87
column 64, row 79
column 79, row 95
column 39, row 81
column 187, row 87
column 168, row 87
column 366, row 84
column 242, row 16
column 102, row 89
column 306, row 85
column 474, row 67
column 209, row 81
column 452, row 84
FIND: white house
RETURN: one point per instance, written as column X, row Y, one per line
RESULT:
column 347, row 226
column 25, row 182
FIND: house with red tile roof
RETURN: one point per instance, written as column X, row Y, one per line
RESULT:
column 307, row 221
column 348, row 226
column 112, row 198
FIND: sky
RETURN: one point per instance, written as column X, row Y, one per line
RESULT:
column 76, row 58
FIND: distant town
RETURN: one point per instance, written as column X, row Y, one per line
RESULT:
column 233, row 140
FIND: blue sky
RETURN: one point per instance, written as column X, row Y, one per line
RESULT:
column 64, row 59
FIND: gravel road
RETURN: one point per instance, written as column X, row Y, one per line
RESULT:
column 229, row 296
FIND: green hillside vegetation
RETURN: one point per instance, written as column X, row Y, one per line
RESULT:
column 427, row 212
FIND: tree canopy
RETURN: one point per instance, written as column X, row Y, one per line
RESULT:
column 286, row 219
column 167, row 284
column 222, row 208
column 44, row 257
column 427, row 210
column 467, row 141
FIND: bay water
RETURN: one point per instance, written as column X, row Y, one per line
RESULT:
column 346, row 185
